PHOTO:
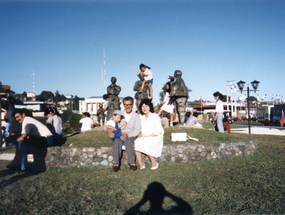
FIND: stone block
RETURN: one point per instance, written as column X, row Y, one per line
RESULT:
column 203, row 154
column 164, row 122
column 104, row 162
column 102, row 156
column 85, row 155
column 105, row 149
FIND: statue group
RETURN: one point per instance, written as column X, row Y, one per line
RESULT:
column 178, row 91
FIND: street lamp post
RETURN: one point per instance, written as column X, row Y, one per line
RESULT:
column 254, row 84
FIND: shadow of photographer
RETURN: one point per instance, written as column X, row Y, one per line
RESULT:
column 155, row 194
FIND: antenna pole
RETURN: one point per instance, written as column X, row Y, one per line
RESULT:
column 34, row 87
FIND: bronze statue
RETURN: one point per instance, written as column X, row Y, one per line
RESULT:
column 114, row 102
column 179, row 93
column 143, row 94
column 101, row 115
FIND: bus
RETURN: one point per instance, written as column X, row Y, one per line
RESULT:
column 277, row 113
column 265, row 114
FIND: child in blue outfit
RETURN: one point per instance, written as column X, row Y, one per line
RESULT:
column 114, row 123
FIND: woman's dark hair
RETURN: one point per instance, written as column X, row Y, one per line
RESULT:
column 48, row 110
column 169, row 89
column 142, row 65
column 148, row 103
column 55, row 111
column 218, row 94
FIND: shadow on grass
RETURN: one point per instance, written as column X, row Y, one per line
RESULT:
column 73, row 134
column 155, row 194
column 15, row 178
column 7, row 148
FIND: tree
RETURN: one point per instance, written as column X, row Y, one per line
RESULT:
column 58, row 98
column 76, row 102
column 45, row 96
column 252, row 99
column 24, row 94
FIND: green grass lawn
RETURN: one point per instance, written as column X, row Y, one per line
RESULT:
column 97, row 137
column 247, row 185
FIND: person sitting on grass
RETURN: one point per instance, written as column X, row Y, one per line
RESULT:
column 86, row 122
column 54, row 124
column 114, row 124
column 192, row 121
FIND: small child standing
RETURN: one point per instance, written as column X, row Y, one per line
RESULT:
column 145, row 71
column 106, row 102
column 114, row 123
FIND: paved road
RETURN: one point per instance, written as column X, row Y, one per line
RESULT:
column 265, row 130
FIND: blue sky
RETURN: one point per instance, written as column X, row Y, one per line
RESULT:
column 211, row 42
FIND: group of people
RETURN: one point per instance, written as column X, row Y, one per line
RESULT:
column 137, row 133
column 140, row 133
column 144, row 133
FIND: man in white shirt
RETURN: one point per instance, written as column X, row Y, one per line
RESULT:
column 35, row 137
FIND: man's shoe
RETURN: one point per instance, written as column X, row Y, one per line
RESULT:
column 115, row 169
column 133, row 167
column 12, row 166
column 20, row 171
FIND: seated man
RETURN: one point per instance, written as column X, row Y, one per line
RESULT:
column 192, row 121
column 130, row 133
column 35, row 135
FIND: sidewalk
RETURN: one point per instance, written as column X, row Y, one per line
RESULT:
column 261, row 130
column 7, row 157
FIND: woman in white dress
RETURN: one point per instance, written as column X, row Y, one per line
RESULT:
column 168, row 103
column 150, row 139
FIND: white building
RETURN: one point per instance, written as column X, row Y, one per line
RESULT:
column 91, row 105
column 69, row 96
column 31, row 95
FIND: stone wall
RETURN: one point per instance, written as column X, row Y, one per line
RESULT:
column 187, row 153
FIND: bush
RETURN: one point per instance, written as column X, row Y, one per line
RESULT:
column 66, row 115
column 72, row 117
